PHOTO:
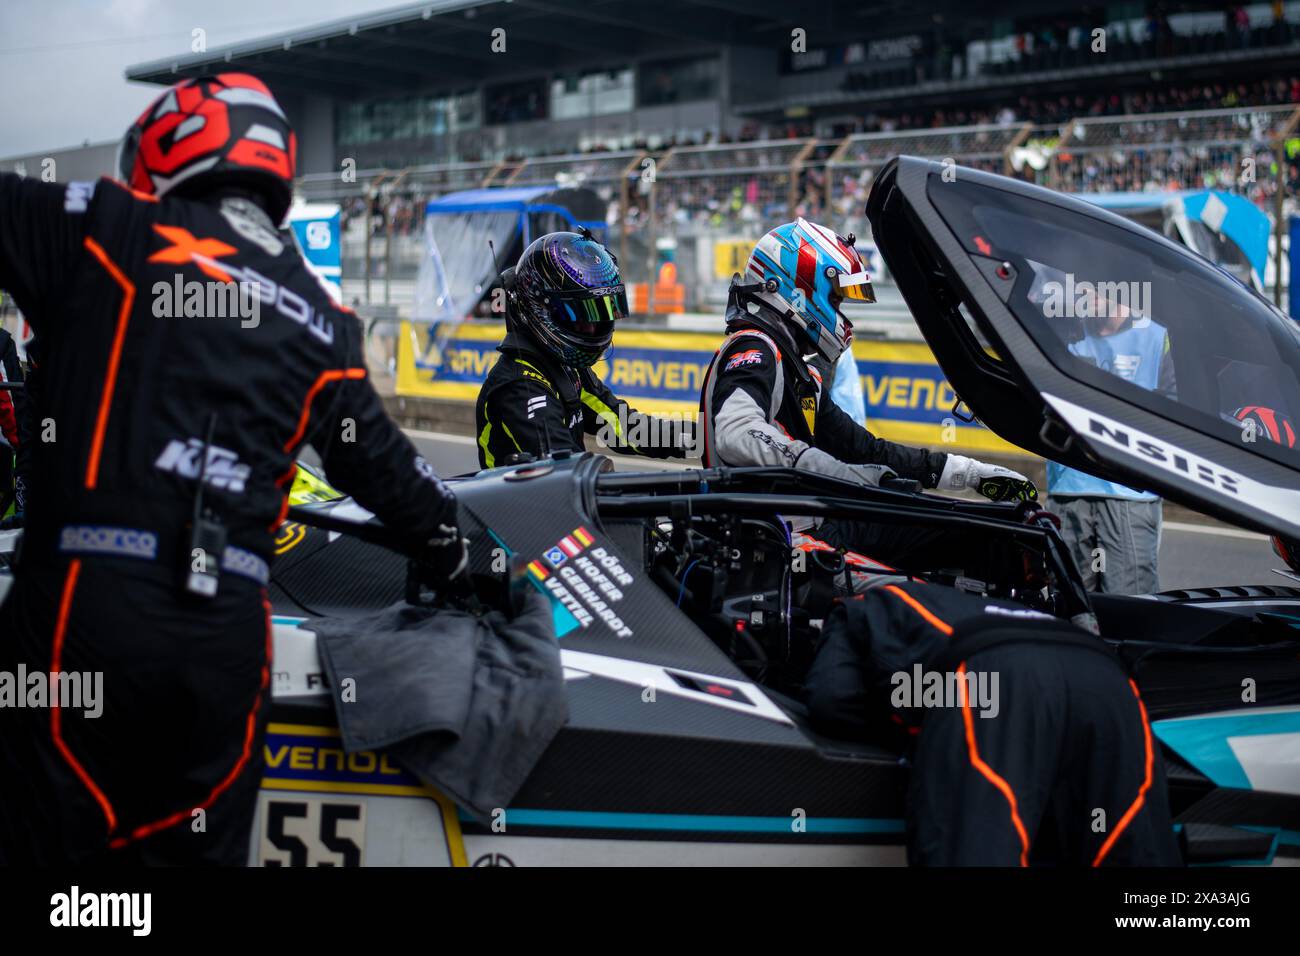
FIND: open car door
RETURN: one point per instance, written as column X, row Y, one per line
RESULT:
column 1089, row 340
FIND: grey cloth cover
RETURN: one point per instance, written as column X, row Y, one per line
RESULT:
column 467, row 704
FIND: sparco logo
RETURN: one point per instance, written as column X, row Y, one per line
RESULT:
column 185, row 459
column 104, row 540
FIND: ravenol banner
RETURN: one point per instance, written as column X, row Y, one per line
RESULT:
column 907, row 397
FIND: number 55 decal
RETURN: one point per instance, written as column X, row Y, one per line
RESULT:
column 308, row 831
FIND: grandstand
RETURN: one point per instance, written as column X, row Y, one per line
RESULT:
column 699, row 125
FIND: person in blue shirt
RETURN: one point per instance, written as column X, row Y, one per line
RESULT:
column 1112, row 530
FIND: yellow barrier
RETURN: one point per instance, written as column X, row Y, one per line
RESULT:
column 907, row 397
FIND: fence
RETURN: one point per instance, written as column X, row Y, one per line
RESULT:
column 1245, row 150
column 1208, row 149
column 611, row 176
column 852, row 168
column 703, row 207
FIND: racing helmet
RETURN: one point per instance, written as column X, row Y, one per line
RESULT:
column 1268, row 422
column 225, row 129
column 1274, row 426
column 568, row 293
column 807, row 270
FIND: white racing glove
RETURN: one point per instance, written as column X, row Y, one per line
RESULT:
column 992, row 481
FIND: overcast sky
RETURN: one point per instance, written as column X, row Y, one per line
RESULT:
column 62, row 61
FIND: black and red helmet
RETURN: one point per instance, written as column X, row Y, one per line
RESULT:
column 226, row 128
column 1267, row 423
column 1276, row 427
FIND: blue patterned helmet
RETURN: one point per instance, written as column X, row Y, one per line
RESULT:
column 807, row 271
column 568, row 294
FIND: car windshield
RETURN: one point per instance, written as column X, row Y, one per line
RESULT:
column 1144, row 320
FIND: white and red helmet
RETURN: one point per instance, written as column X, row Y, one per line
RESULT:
column 807, row 270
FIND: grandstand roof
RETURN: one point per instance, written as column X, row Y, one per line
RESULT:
column 440, row 42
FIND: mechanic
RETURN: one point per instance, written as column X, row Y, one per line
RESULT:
column 1031, row 743
column 13, row 406
column 1113, row 531
column 763, row 401
column 563, row 299
column 147, row 540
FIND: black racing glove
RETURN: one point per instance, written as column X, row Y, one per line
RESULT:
column 444, row 565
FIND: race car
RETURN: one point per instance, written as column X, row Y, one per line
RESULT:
column 687, row 741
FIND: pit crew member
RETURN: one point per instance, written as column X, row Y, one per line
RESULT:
column 563, row 299
column 763, row 400
column 147, row 543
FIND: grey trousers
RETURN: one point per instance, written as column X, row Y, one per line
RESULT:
column 1114, row 541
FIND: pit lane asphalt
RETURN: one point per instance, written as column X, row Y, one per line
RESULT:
column 1192, row 554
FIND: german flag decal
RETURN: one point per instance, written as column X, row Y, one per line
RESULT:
column 538, row 572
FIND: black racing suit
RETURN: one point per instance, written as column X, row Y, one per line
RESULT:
column 532, row 403
column 127, row 296
column 1032, row 745
column 763, row 404
column 27, row 404
column 13, row 406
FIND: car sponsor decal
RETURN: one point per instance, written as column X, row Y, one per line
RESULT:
column 297, row 670
column 1239, row 749
column 1149, row 451
column 288, row 536
column 727, row 693
column 309, row 759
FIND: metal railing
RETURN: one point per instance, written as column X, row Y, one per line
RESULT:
column 852, row 168
column 610, row 175
column 1213, row 149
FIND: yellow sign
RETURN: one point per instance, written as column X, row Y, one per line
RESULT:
column 730, row 256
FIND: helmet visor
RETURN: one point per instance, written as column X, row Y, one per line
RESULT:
column 588, row 315
column 855, row 286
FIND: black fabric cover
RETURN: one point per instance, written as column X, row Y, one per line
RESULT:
column 468, row 704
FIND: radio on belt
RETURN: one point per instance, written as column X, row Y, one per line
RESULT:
column 207, row 536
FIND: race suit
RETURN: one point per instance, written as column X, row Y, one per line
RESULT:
column 1028, row 741
column 531, row 403
column 26, row 402
column 764, row 404
column 12, row 412
column 149, row 355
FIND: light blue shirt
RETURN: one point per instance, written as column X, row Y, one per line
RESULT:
column 846, row 390
column 1133, row 354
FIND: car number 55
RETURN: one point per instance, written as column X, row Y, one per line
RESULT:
column 309, row 831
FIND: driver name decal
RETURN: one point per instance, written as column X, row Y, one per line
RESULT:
column 586, row 581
